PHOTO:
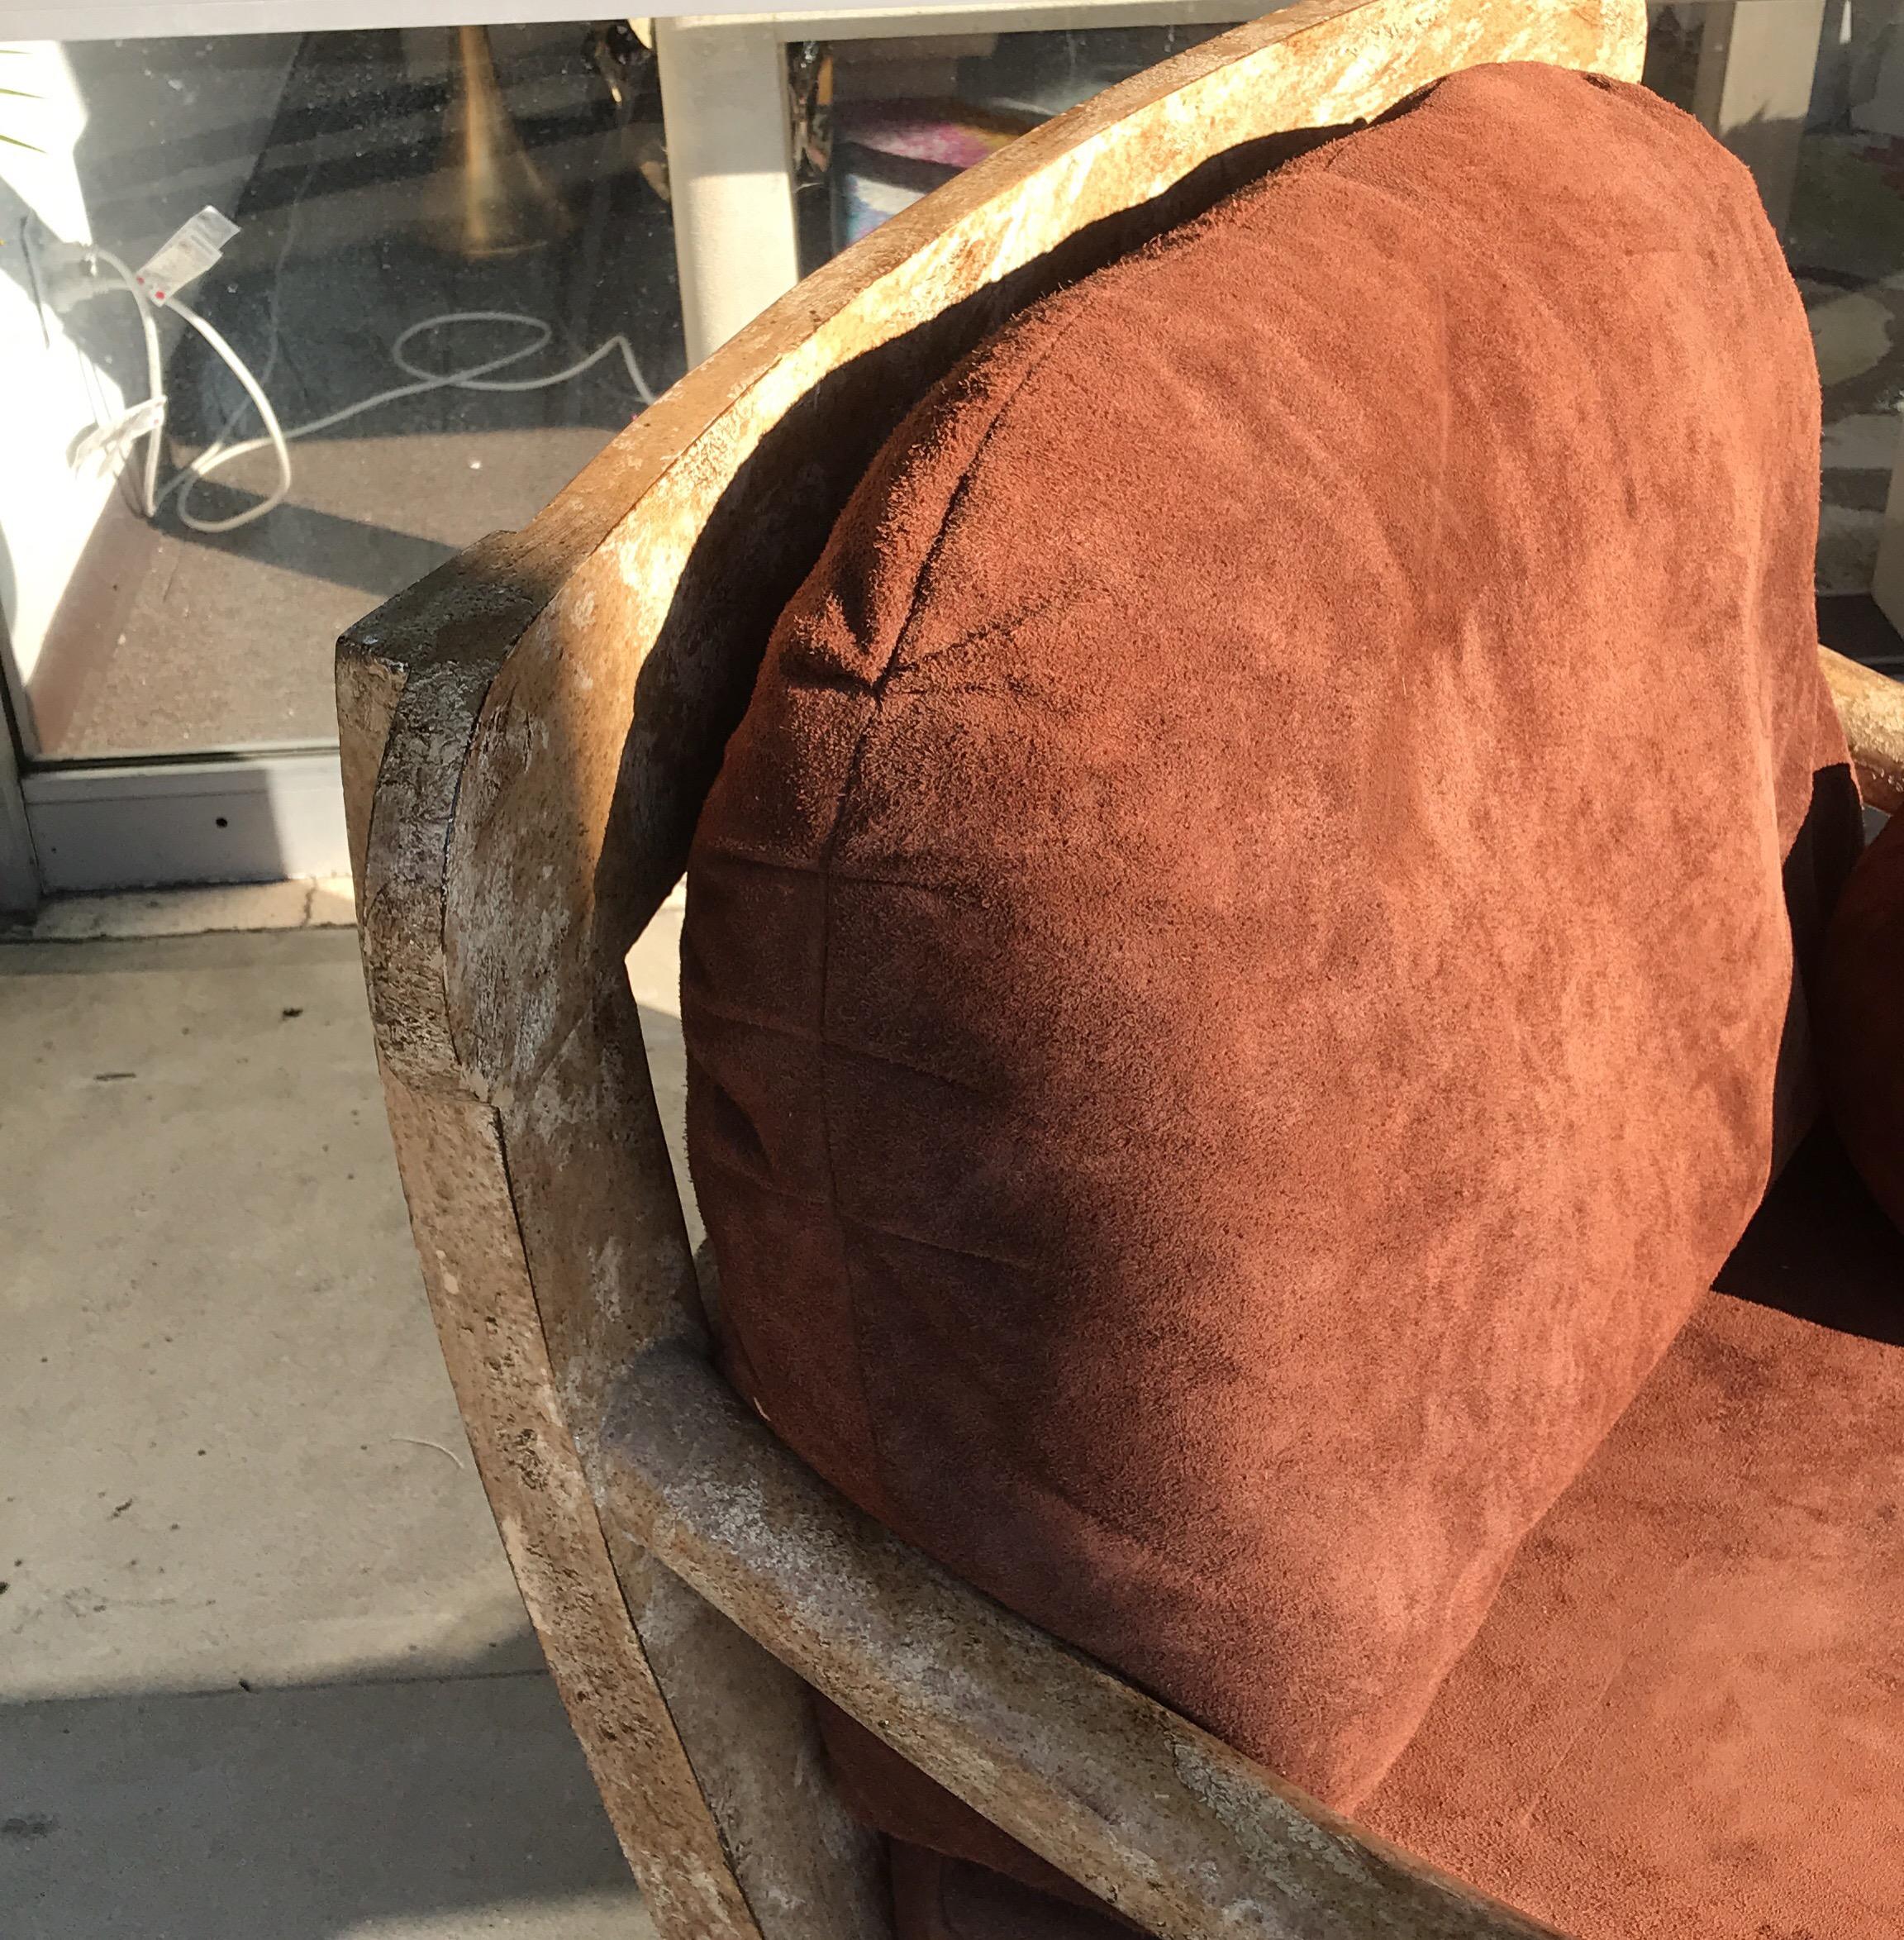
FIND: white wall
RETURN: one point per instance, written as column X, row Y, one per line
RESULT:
column 132, row 138
column 52, row 392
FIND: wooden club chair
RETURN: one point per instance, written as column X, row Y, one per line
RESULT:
column 528, row 735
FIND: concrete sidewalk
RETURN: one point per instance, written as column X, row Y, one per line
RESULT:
column 263, row 1674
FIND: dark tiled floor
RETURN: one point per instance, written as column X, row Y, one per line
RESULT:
column 1850, row 623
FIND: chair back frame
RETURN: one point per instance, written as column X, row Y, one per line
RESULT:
column 527, row 737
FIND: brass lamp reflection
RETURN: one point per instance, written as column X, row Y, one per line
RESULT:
column 488, row 198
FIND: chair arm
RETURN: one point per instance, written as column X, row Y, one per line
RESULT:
column 1871, row 706
column 1184, row 1836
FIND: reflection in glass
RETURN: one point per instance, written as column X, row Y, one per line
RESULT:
column 476, row 200
column 493, row 201
column 1810, row 94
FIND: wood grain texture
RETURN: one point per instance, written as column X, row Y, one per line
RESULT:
column 738, row 1838
column 450, row 1151
column 527, row 738
column 1871, row 706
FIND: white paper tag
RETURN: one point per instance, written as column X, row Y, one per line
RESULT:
column 189, row 251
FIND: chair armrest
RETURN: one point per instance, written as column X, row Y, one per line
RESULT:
column 1181, row 1834
column 1871, row 706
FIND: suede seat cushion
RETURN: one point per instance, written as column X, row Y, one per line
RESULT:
column 1684, row 1715
column 1861, row 1017
column 1235, row 968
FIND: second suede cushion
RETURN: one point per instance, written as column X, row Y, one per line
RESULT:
column 1861, row 1021
column 1227, row 1028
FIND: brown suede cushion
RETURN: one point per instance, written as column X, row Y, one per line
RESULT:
column 1860, row 1020
column 1685, row 1715
column 1235, row 966
column 935, row 1898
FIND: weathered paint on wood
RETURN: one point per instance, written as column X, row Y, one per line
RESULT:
column 1184, row 1836
column 1871, row 705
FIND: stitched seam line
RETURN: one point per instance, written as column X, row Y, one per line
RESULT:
column 736, row 1170
column 791, row 866
column 769, row 1027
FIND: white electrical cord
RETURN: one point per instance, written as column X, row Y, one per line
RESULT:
column 274, row 436
column 147, row 420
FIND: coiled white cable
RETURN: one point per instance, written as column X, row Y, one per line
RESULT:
column 147, row 420
column 275, row 436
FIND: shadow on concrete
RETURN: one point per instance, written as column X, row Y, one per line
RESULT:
column 436, row 1809
column 231, row 1456
column 374, row 560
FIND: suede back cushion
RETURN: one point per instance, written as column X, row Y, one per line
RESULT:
column 1234, row 968
column 1861, row 1018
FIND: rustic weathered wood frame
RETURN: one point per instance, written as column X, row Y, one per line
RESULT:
column 527, row 737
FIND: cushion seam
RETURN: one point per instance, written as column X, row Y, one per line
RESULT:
column 770, row 1028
